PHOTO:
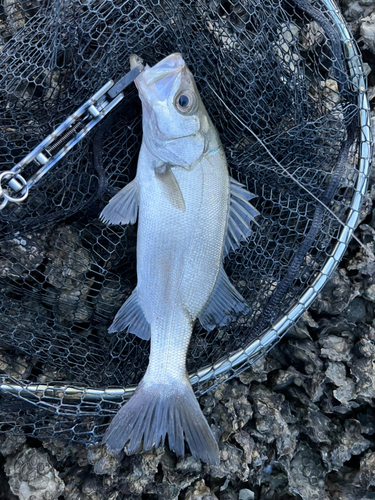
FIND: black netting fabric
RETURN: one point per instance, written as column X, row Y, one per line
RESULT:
column 279, row 85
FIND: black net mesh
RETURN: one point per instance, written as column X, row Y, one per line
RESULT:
column 279, row 66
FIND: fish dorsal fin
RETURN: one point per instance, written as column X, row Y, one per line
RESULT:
column 130, row 316
column 241, row 215
column 169, row 186
column 123, row 207
column 224, row 304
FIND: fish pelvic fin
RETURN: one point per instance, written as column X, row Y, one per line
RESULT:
column 130, row 316
column 123, row 207
column 241, row 215
column 170, row 187
column 158, row 410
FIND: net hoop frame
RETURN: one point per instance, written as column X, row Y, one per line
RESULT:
column 243, row 358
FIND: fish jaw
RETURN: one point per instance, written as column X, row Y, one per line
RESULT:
column 165, row 71
column 173, row 135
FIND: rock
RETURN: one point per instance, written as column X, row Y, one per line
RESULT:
column 246, row 494
column 305, row 356
column 306, row 474
column 144, row 470
column 227, row 493
column 12, row 443
column 189, row 465
column 357, row 9
column 270, row 424
column 199, row 491
column 358, row 310
column 367, row 470
column 336, row 295
column 311, row 35
column 349, row 443
column 103, row 462
column 367, row 31
column 257, row 372
column 247, row 443
column 303, row 327
column 91, row 488
column 229, row 408
column 282, row 379
column 343, row 485
column 62, row 450
column 363, row 369
column 231, row 464
column 32, row 477
column 17, row 13
column 367, row 422
column 335, row 348
column 23, row 253
column 336, row 373
column 318, row 426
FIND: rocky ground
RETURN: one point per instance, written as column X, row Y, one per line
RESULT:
column 299, row 425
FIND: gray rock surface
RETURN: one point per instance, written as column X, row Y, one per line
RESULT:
column 32, row 477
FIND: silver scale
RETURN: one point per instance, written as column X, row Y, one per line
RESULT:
column 55, row 146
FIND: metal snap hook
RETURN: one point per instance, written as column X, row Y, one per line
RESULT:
column 4, row 193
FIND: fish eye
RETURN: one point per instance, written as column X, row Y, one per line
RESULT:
column 185, row 101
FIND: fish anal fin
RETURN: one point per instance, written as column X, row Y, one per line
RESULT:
column 130, row 316
column 224, row 305
column 123, row 207
column 169, row 186
column 241, row 215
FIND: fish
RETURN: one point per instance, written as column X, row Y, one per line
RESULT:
column 190, row 215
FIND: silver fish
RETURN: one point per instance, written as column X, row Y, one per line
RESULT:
column 190, row 215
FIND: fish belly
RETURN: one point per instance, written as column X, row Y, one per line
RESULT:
column 179, row 254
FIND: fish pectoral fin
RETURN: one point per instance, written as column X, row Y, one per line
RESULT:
column 169, row 186
column 241, row 215
column 224, row 305
column 123, row 207
column 131, row 316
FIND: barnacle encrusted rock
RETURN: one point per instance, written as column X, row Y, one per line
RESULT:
column 368, row 31
column 23, row 253
column 335, row 348
column 270, row 423
column 367, row 470
column 102, row 461
column 306, row 474
column 32, row 477
column 362, row 368
column 349, row 442
column 336, row 295
column 344, row 485
column 199, row 491
column 11, row 443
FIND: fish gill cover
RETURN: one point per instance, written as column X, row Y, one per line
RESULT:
column 289, row 72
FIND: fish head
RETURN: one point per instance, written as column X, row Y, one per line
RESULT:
column 175, row 123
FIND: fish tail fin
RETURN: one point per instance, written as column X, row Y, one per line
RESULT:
column 158, row 410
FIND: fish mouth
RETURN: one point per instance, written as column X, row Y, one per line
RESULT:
column 166, row 67
column 159, row 78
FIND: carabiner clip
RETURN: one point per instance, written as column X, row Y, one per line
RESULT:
column 68, row 134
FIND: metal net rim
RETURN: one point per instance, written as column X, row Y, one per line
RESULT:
column 253, row 351
column 241, row 359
